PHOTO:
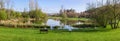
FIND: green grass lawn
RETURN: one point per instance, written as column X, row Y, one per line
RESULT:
column 28, row 34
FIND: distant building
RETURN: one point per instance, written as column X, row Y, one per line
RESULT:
column 84, row 14
column 69, row 12
column 73, row 13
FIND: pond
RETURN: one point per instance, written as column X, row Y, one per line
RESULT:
column 63, row 25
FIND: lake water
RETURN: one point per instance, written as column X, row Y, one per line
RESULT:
column 52, row 23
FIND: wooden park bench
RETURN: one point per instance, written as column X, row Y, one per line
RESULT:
column 43, row 30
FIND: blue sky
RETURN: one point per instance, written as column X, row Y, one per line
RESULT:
column 53, row 6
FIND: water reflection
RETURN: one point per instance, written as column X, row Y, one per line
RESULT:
column 65, row 24
column 52, row 22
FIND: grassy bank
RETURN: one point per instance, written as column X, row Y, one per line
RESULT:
column 19, row 34
column 69, row 18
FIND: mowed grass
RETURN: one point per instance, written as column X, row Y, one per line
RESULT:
column 29, row 34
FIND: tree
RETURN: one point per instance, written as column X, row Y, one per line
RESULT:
column 2, row 3
column 35, row 12
column 18, row 15
column 114, row 9
column 108, row 13
column 38, row 15
column 3, row 15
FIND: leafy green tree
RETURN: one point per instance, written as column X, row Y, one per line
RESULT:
column 18, row 15
column 64, row 16
column 38, row 15
column 3, row 15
